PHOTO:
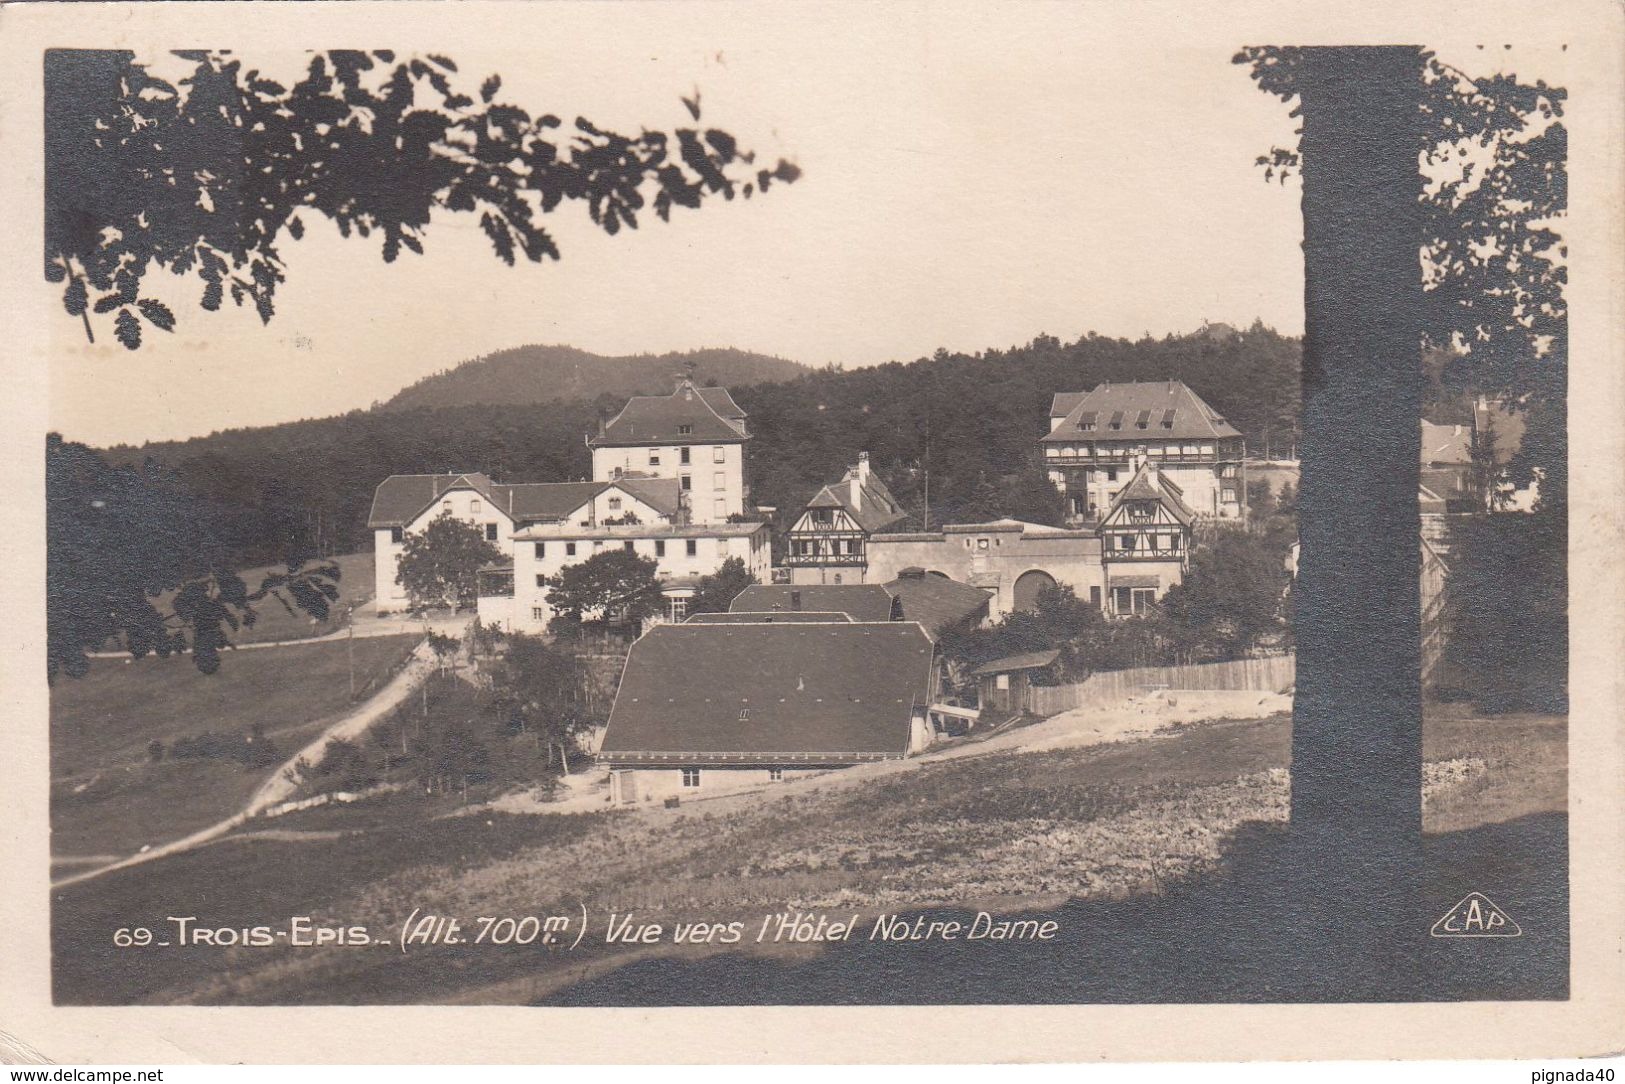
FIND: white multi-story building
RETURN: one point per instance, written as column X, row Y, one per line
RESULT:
column 406, row 504
column 695, row 436
column 515, row 597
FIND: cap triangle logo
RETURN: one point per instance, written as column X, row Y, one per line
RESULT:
column 1476, row 916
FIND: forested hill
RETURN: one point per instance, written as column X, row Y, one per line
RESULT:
column 539, row 374
column 973, row 419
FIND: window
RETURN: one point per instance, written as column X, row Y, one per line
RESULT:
column 720, row 507
column 541, row 580
column 569, row 549
column 981, row 543
column 692, row 547
column 541, row 550
column 538, row 613
column 629, row 546
column 1111, row 474
column 445, row 506
column 719, row 454
column 397, row 534
column 775, row 775
column 686, row 483
column 614, row 504
column 474, row 506
column 490, row 532
column 654, row 459
column 837, row 578
column 679, row 608
column 684, row 430
column 1001, row 681
column 719, row 480
column 660, row 547
column 691, row 777
column 1094, row 596
column 682, row 456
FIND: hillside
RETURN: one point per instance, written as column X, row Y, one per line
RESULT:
column 539, row 374
column 1153, row 856
column 972, row 419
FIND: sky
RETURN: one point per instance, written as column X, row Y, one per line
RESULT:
column 972, row 179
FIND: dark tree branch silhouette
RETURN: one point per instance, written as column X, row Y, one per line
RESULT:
column 207, row 175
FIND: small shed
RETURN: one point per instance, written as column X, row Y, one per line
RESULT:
column 1004, row 685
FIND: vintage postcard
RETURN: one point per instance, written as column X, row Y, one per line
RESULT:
column 923, row 532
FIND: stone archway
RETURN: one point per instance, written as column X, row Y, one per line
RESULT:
column 1027, row 587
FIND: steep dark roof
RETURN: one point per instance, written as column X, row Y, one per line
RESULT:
column 401, row 498
column 783, row 617
column 937, row 602
column 876, row 509
column 863, row 601
column 718, row 693
column 710, row 413
column 1149, row 485
column 1032, row 660
column 721, row 401
column 537, row 502
column 1172, row 411
column 662, row 494
column 1064, row 402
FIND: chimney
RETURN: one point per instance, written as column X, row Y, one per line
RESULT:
column 863, row 467
column 855, row 484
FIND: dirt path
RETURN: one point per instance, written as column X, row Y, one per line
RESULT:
column 278, row 787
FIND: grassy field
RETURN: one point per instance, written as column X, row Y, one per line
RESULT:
column 273, row 622
column 1108, row 825
column 109, row 797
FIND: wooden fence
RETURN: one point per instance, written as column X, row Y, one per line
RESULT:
column 1272, row 673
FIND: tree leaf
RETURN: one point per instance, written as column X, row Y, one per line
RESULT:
column 128, row 329
column 157, row 314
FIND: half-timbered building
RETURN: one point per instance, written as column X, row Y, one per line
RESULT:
column 1145, row 541
column 829, row 543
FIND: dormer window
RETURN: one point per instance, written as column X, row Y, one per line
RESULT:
column 685, row 430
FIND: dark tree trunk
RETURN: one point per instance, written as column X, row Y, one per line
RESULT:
column 1356, row 735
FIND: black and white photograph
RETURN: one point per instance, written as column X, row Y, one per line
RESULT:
column 724, row 505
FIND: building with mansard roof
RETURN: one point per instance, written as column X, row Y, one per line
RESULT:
column 668, row 475
column 1097, row 437
column 695, row 436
